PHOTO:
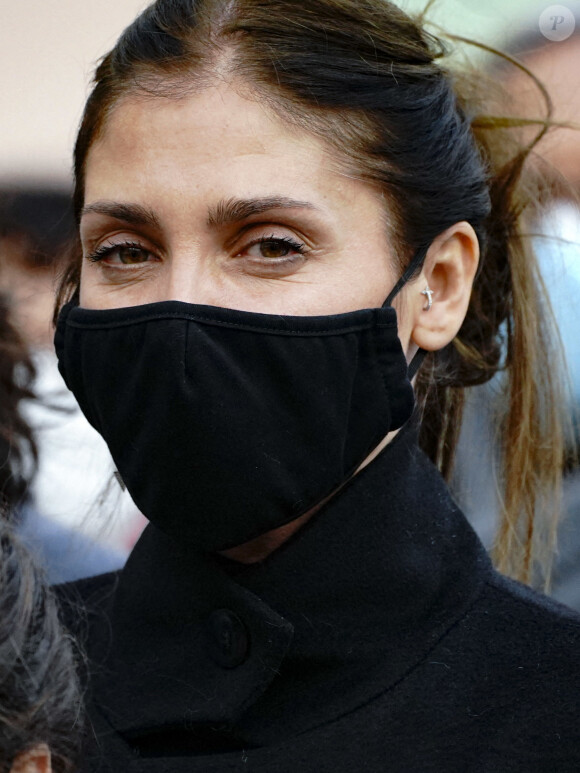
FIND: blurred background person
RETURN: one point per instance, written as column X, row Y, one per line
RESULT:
column 40, row 701
column 63, row 465
column 63, row 550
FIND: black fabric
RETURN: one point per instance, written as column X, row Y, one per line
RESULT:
column 378, row 638
column 226, row 424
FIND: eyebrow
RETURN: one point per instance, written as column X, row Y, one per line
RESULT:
column 225, row 212
column 134, row 214
column 234, row 210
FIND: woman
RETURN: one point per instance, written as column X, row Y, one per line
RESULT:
column 256, row 184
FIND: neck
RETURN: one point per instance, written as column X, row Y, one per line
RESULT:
column 258, row 549
column 261, row 547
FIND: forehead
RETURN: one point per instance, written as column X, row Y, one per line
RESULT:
column 216, row 129
column 177, row 156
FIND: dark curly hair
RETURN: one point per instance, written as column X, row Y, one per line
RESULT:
column 40, row 700
column 18, row 452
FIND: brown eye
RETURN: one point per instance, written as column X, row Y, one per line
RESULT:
column 130, row 255
column 274, row 248
column 127, row 254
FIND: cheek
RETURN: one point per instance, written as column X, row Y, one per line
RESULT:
column 97, row 294
column 84, row 285
column 90, row 292
column 404, row 320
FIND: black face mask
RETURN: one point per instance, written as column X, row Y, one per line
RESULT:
column 226, row 424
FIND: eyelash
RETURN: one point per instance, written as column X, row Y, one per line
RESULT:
column 287, row 241
column 107, row 249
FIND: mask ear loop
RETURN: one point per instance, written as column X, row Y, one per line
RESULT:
column 415, row 264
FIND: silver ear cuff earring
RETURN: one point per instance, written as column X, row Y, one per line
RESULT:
column 429, row 293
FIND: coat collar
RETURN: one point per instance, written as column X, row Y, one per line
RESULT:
column 338, row 614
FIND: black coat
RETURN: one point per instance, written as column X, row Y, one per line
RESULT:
column 379, row 638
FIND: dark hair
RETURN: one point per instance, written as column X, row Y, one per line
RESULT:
column 18, row 452
column 364, row 76
column 42, row 218
column 39, row 693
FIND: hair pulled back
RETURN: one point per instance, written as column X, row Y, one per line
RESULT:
column 364, row 76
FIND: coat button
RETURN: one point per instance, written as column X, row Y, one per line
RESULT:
column 227, row 641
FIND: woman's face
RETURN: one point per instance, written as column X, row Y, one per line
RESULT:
column 212, row 199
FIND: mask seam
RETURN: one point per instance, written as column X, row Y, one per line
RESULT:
column 238, row 325
column 378, row 361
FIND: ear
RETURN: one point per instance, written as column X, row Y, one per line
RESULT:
column 449, row 270
column 36, row 760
